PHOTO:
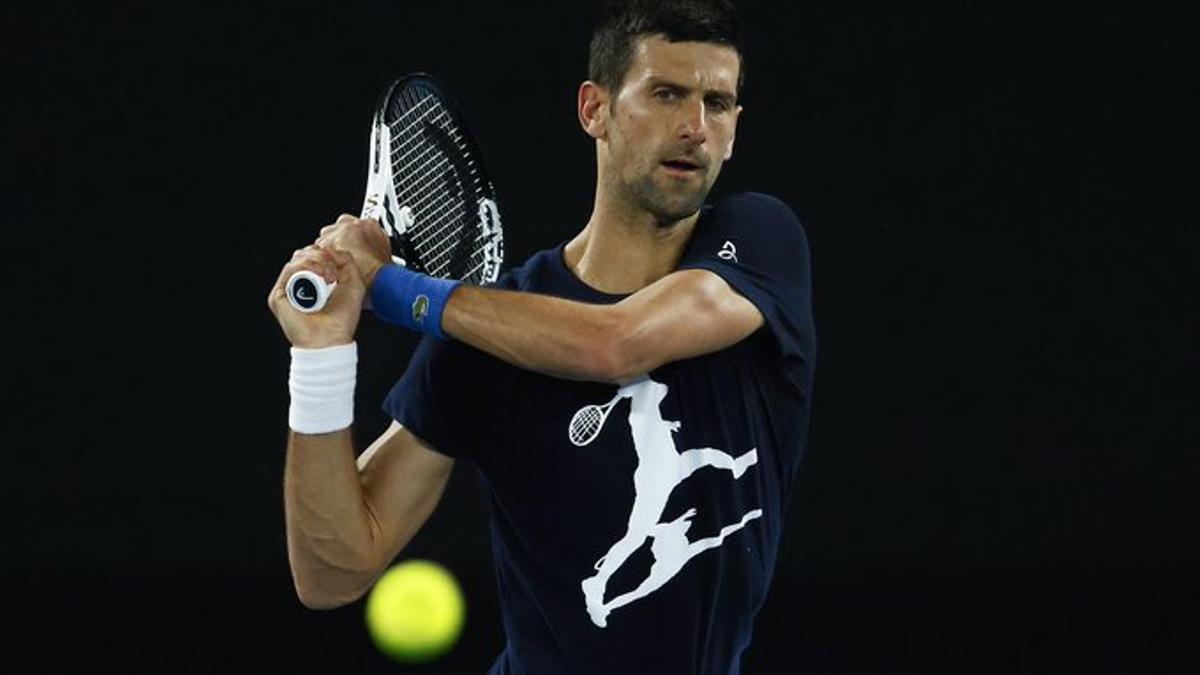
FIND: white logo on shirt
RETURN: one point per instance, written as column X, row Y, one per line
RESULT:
column 728, row 251
column 660, row 468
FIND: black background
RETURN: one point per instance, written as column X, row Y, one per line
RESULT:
column 1000, row 202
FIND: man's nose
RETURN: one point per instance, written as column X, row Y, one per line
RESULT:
column 693, row 125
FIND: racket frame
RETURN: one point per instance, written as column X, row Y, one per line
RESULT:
column 604, row 409
column 381, row 203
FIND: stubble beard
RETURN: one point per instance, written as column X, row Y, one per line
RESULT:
column 667, row 206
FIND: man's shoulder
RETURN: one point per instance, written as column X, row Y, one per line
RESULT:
column 752, row 198
column 752, row 218
column 756, row 205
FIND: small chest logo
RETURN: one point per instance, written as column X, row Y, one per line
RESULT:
column 728, row 251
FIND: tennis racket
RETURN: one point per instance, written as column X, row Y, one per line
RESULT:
column 587, row 421
column 429, row 190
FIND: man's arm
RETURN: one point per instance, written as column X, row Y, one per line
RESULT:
column 684, row 314
column 347, row 520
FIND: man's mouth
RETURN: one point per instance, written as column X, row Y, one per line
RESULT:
column 682, row 165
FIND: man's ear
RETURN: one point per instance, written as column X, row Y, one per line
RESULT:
column 592, row 106
column 737, row 114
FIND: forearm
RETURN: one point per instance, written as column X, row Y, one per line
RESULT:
column 555, row 337
column 331, row 541
column 682, row 315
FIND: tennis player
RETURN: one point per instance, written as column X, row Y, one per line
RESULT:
column 636, row 399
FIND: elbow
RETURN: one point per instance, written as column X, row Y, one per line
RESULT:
column 606, row 365
column 324, row 584
column 314, row 599
column 323, row 595
column 615, row 356
column 620, row 369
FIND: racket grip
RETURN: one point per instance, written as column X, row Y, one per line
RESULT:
column 308, row 291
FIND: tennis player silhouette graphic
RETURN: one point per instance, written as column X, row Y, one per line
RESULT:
column 660, row 468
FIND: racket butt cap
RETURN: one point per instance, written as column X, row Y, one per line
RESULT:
column 308, row 291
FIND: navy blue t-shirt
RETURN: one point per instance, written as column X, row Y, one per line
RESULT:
column 635, row 528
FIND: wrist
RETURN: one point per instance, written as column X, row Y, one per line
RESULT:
column 371, row 273
column 321, row 383
column 313, row 342
column 411, row 299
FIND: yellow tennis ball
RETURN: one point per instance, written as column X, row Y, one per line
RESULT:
column 415, row 611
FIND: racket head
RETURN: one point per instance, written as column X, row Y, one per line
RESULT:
column 429, row 187
column 585, row 425
column 587, row 422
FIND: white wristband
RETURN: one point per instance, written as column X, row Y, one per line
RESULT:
column 321, row 383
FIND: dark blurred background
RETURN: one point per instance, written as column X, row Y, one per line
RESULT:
column 1000, row 199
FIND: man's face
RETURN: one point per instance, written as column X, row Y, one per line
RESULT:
column 672, row 125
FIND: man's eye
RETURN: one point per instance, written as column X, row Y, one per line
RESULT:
column 718, row 104
column 666, row 95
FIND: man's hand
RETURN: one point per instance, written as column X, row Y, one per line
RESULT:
column 336, row 323
column 363, row 239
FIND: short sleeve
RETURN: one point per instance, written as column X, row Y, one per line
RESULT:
column 757, row 245
column 445, row 394
column 434, row 395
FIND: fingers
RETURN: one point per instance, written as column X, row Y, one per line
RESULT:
column 343, row 219
column 346, row 222
column 339, row 258
column 333, row 257
column 326, row 256
column 329, row 265
column 313, row 259
column 318, row 259
column 354, row 234
column 347, row 269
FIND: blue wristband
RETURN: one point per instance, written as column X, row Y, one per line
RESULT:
column 411, row 299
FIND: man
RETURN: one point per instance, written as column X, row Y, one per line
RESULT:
column 636, row 399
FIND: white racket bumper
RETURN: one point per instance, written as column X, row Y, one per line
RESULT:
column 308, row 291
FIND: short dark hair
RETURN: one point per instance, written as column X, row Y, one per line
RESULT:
column 622, row 22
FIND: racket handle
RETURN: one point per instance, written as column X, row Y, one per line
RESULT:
column 308, row 291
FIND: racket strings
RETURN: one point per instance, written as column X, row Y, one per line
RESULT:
column 422, row 168
column 417, row 178
column 419, row 171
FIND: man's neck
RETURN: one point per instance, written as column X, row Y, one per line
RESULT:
column 623, row 250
